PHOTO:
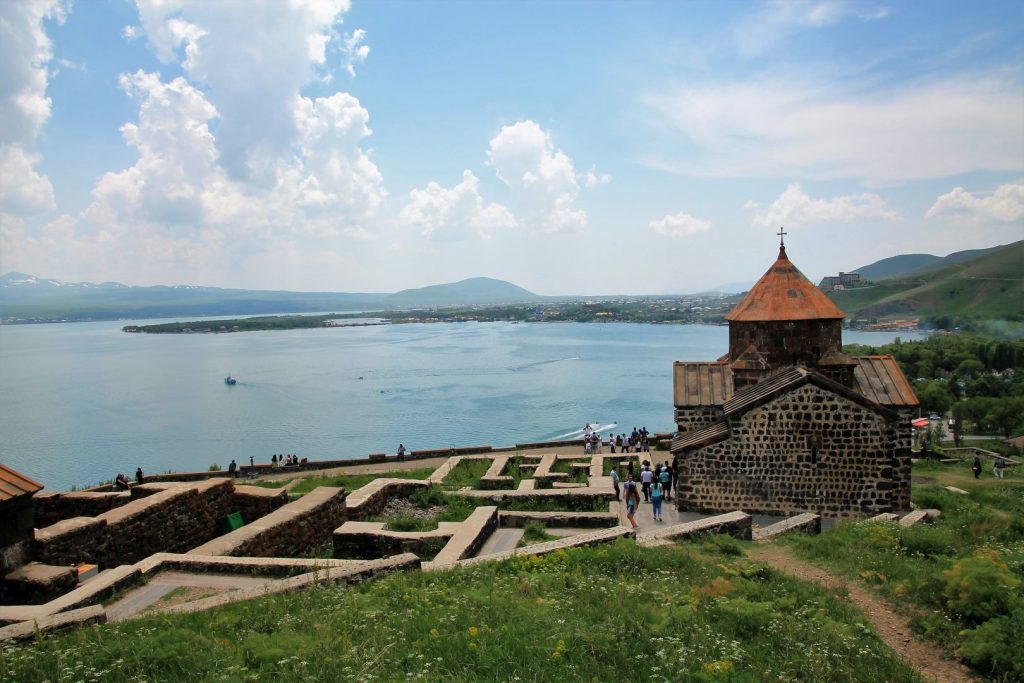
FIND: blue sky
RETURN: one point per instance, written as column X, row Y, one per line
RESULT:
column 570, row 147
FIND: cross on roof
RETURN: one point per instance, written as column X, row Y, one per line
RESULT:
column 782, row 236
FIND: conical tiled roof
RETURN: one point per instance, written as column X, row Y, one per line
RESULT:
column 783, row 293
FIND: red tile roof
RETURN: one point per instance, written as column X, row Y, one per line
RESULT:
column 783, row 293
column 13, row 484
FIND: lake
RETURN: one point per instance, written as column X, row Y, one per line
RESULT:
column 84, row 401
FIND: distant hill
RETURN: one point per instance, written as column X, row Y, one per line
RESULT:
column 477, row 290
column 29, row 298
column 987, row 286
column 916, row 264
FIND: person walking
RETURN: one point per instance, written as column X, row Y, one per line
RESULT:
column 233, row 469
column 666, row 481
column 138, row 475
column 646, row 477
column 976, row 467
column 656, row 500
column 632, row 500
column 999, row 467
column 615, row 482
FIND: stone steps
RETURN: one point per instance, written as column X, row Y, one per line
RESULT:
column 736, row 524
column 807, row 522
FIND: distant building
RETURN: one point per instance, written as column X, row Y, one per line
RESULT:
column 840, row 282
column 786, row 422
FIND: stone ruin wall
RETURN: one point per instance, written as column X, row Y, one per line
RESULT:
column 692, row 418
column 766, row 464
column 173, row 520
column 50, row 508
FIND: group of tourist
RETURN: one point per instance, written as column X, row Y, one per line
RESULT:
column 635, row 442
column 997, row 469
column 289, row 460
column 121, row 481
column 655, row 484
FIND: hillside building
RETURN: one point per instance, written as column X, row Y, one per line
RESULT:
column 841, row 281
column 785, row 421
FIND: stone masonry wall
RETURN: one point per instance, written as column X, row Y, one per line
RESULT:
column 169, row 521
column 255, row 501
column 50, row 508
column 696, row 417
column 296, row 529
column 807, row 450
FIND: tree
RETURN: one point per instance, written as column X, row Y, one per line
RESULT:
column 934, row 397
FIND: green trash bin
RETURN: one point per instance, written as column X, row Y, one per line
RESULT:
column 231, row 522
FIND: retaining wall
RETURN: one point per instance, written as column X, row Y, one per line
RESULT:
column 173, row 520
column 295, row 529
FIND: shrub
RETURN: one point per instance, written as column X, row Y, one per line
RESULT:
column 213, row 468
column 980, row 588
column 995, row 646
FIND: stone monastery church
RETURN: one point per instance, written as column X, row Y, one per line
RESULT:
column 786, row 422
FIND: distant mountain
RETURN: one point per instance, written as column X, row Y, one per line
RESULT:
column 26, row 297
column 477, row 290
column 906, row 265
column 731, row 288
column 987, row 286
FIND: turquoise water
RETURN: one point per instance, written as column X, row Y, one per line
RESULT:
column 81, row 402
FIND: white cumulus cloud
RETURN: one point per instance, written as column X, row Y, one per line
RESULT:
column 443, row 213
column 25, row 53
column 794, row 208
column 679, row 225
column 541, row 179
column 1005, row 205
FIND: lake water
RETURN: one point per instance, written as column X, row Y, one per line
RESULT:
column 81, row 402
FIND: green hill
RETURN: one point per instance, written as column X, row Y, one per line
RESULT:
column 906, row 265
column 987, row 286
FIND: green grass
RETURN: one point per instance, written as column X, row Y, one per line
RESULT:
column 576, row 474
column 351, row 482
column 614, row 612
column 534, row 532
column 960, row 578
column 467, row 473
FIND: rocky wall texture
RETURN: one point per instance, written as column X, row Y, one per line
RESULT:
column 370, row 500
column 255, row 501
column 173, row 520
column 691, row 418
column 295, row 529
column 50, row 508
column 806, row 450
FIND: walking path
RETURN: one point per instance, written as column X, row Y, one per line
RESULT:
column 160, row 585
column 893, row 629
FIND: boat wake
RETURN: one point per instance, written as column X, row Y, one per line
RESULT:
column 578, row 433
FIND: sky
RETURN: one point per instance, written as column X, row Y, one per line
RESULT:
column 578, row 147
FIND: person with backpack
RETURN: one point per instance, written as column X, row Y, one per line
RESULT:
column 656, row 500
column 632, row 500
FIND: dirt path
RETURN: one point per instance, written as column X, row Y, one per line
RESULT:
column 893, row 629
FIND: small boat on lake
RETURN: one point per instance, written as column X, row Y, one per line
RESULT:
column 230, row 381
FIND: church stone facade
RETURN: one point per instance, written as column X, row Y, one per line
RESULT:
column 786, row 422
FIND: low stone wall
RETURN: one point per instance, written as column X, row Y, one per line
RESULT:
column 70, row 541
column 589, row 538
column 175, row 519
column 254, row 566
column 297, row 528
column 369, row 500
column 49, row 508
column 257, row 501
column 918, row 516
column 370, row 540
column 470, row 537
column 582, row 520
column 28, row 630
column 807, row 523
column 569, row 499
column 736, row 524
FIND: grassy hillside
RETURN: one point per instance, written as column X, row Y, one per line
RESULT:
column 991, row 286
column 612, row 613
column 906, row 265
